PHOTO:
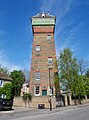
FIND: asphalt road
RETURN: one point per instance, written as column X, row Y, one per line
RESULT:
column 69, row 114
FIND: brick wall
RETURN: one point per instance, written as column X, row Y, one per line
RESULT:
column 18, row 101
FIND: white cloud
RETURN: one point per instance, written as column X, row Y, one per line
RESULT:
column 2, row 32
column 64, row 38
column 5, row 63
column 59, row 8
column 71, row 39
column 46, row 5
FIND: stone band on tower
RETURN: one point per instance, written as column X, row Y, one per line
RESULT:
column 43, row 58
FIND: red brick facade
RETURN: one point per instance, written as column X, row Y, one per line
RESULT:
column 43, row 59
column 43, row 30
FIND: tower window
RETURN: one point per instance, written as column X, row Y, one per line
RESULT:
column 37, row 91
column 48, row 37
column 37, row 48
column 37, row 76
column 49, row 61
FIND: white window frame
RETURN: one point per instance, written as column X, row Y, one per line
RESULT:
column 37, row 48
column 35, row 91
column 1, row 83
column 48, row 37
column 51, row 90
column 50, row 61
column 37, row 76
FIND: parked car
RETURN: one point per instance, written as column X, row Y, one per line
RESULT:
column 5, row 103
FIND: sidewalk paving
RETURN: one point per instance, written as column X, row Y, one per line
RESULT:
column 20, row 112
column 25, row 111
column 20, row 109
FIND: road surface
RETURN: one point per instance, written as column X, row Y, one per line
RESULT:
column 69, row 114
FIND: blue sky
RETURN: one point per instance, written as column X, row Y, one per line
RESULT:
column 71, row 30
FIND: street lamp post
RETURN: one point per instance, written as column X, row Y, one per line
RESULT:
column 50, row 100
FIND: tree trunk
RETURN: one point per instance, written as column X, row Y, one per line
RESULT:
column 25, row 103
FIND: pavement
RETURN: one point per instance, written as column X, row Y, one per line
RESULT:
column 43, row 111
column 19, row 109
column 24, row 112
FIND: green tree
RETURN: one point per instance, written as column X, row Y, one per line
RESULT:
column 7, row 90
column 4, row 70
column 27, row 98
column 86, row 80
column 87, row 73
column 78, row 88
column 69, row 74
column 56, row 80
column 18, row 78
column 65, row 68
column 83, row 66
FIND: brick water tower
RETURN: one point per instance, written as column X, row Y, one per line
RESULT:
column 43, row 60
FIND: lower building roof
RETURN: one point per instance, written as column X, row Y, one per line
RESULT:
column 4, row 77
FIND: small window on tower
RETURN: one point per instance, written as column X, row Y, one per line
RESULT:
column 37, row 48
column 37, row 76
column 50, row 61
column 48, row 37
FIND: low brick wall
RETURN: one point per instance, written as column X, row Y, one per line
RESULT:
column 82, row 101
column 43, row 100
column 18, row 101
